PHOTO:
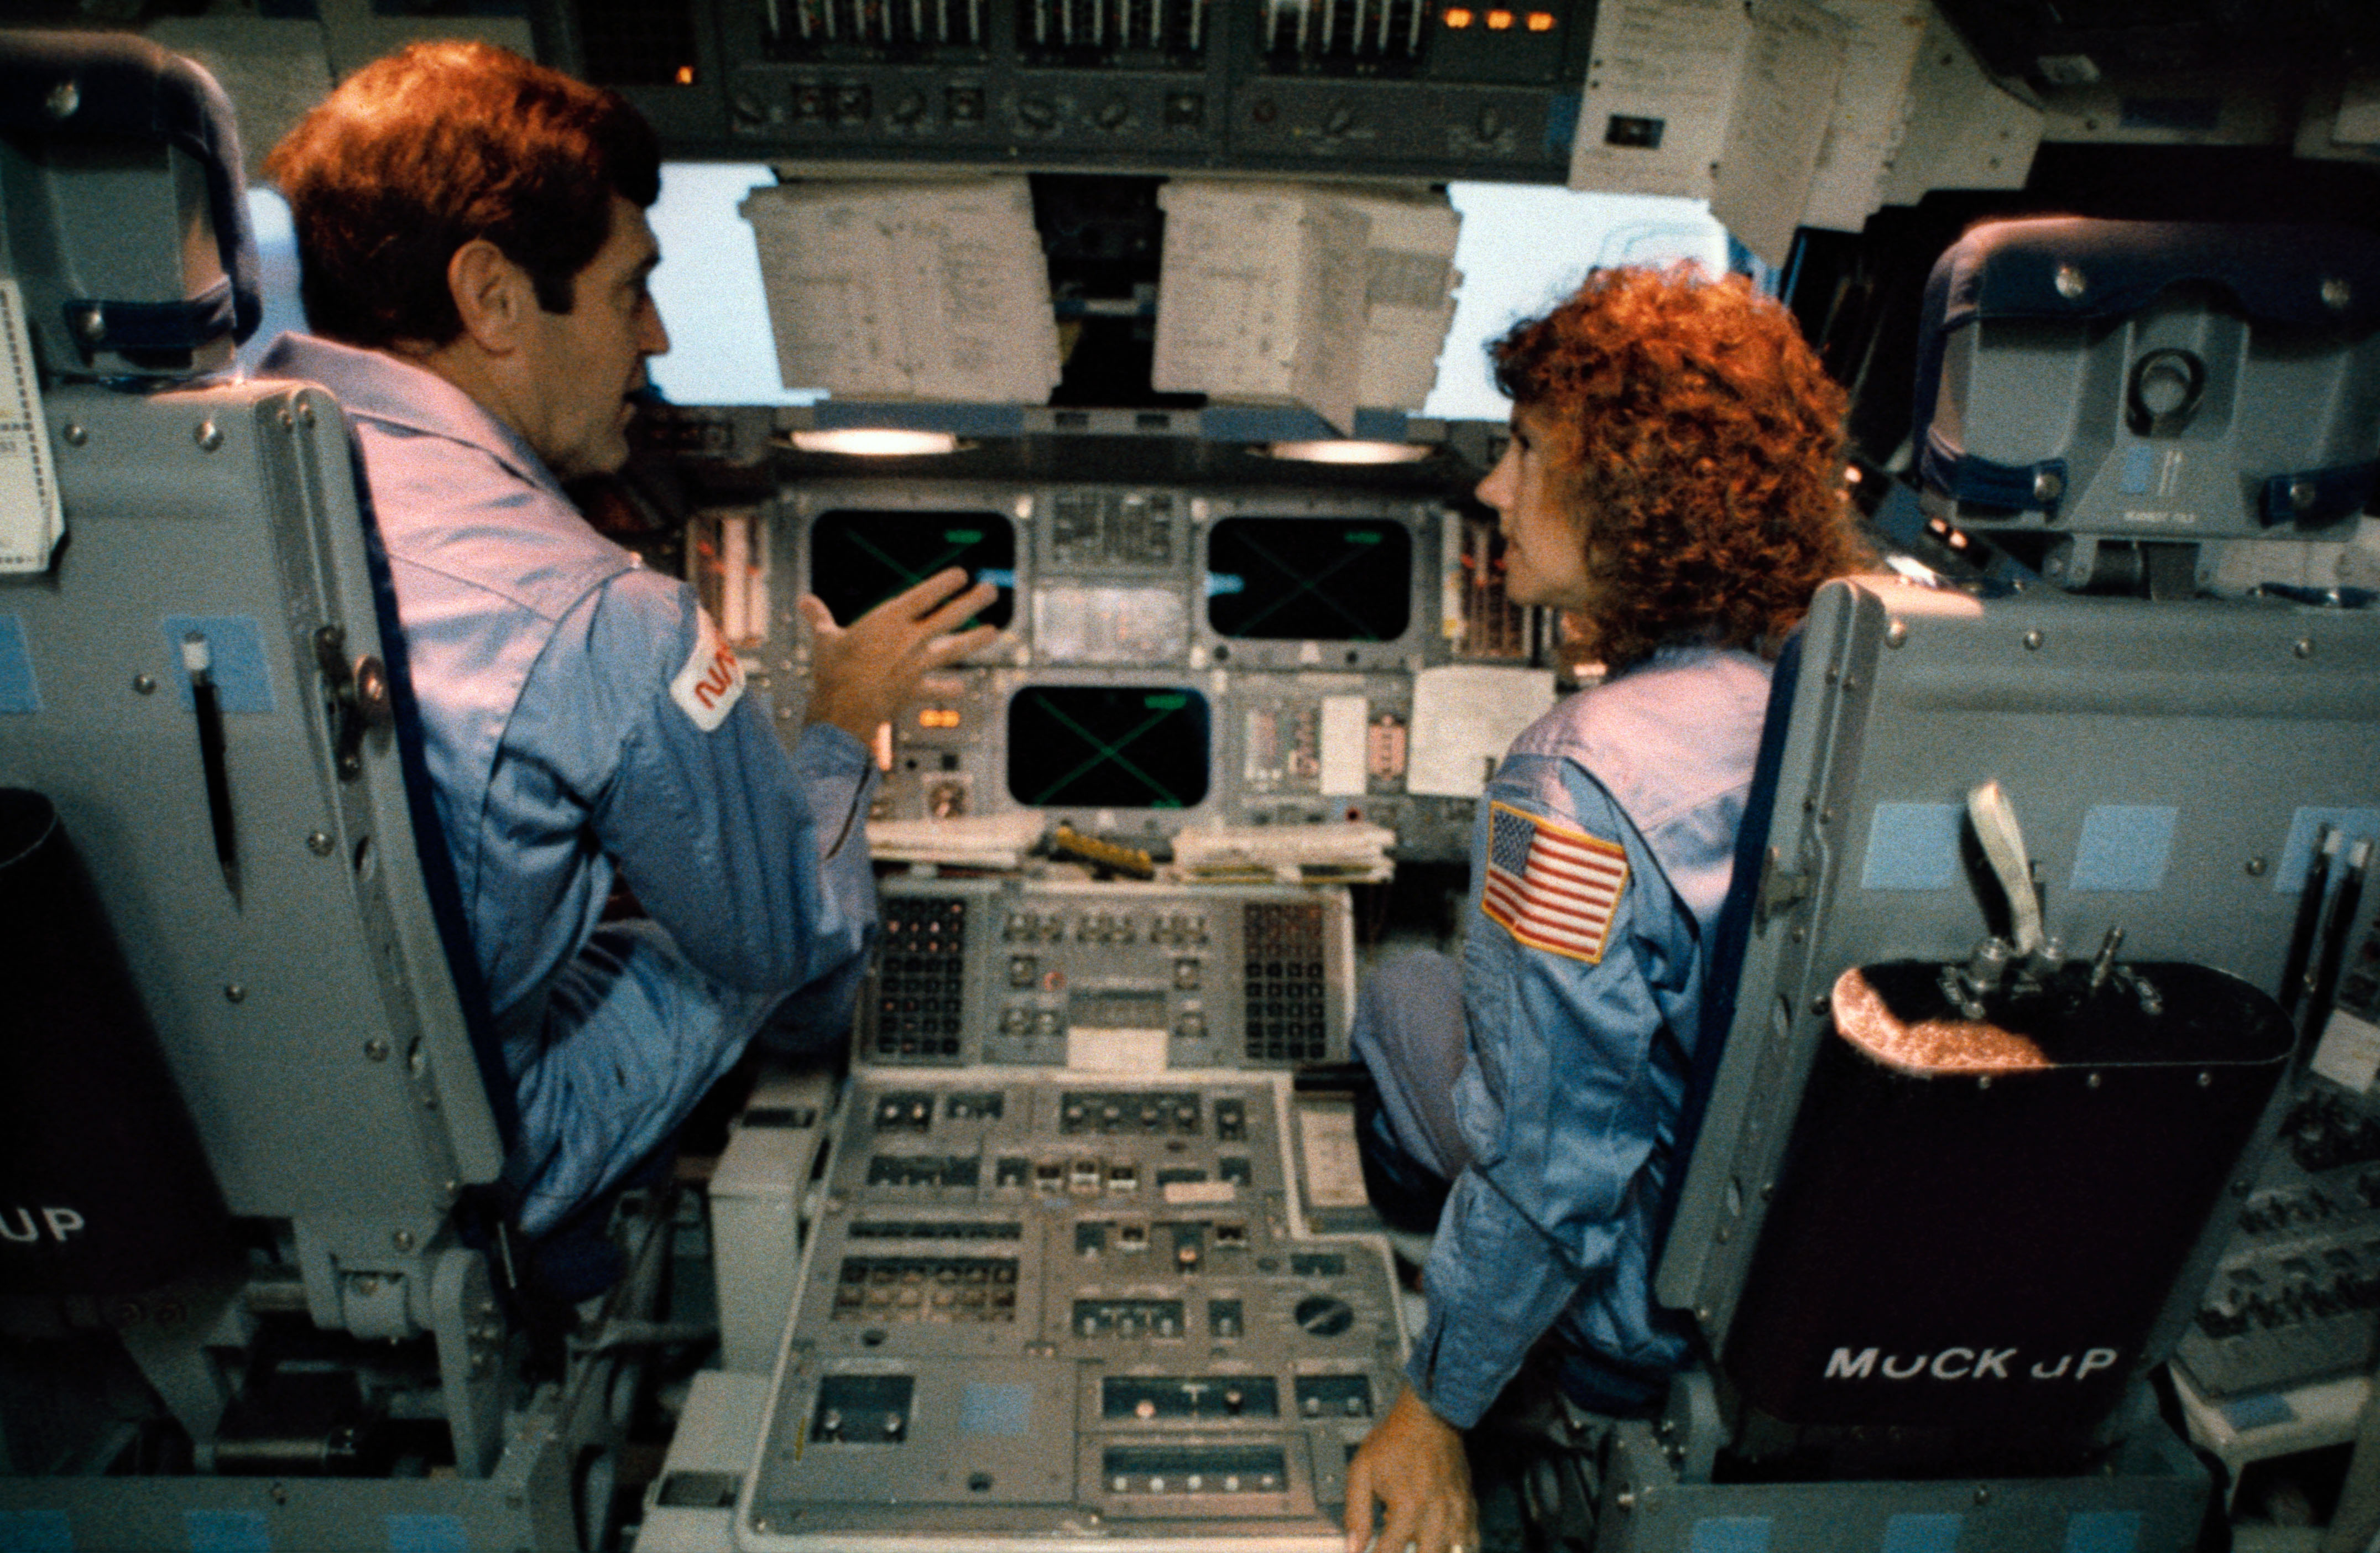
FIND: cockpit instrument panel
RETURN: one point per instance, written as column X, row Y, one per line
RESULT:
column 1172, row 656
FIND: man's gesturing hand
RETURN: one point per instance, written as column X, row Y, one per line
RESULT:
column 1413, row 1462
column 863, row 674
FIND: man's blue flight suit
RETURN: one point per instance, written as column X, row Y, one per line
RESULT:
column 583, row 722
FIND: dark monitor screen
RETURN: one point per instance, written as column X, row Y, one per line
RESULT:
column 1309, row 579
column 1107, row 747
column 859, row 557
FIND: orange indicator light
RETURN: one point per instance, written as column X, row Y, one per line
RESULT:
column 1458, row 17
column 686, row 75
column 1541, row 21
column 939, row 717
column 1500, row 21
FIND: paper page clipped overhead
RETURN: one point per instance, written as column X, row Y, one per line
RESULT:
column 929, row 290
column 1721, row 100
column 1304, row 294
column 1785, row 112
column 31, row 517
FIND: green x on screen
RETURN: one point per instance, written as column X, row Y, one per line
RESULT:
column 1107, row 747
column 859, row 557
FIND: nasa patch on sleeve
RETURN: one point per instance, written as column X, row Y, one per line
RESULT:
column 713, row 681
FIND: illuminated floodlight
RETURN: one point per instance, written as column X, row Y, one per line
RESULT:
column 877, row 442
column 1339, row 450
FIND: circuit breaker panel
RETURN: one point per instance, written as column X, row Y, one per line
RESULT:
column 1059, row 1280
column 1406, row 88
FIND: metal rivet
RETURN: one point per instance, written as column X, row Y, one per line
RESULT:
column 75, row 435
column 2047, row 485
column 318, row 843
column 1821, row 1003
column 2069, row 282
column 2337, row 294
column 1983, row 1496
column 2256, row 866
column 65, row 99
column 2303, row 647
column 1625, row 1498
column 91, row 324
column 234, row 993
column 144, row 684
column 402, row 1240
column 287, row 420
column 2092, row 1081
column 2033, row 640
column 2301, row 495
column 305, row 412
column 376, row 1050
column 208, row 435
column 1897, row 634
column 2205, row 1080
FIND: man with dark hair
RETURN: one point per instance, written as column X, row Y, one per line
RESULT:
column 1674, row 484
column 474, row 248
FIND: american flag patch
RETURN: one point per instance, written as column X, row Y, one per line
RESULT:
column 1551, row 887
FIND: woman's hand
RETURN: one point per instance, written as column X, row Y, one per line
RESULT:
column 1413, row 1462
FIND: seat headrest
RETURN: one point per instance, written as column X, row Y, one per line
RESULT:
column 61, row 88
column 2013, row 437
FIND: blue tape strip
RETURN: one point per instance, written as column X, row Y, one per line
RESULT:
column 989, row 1408
column 1912, row 846
column 243, row 683
column 2260, row 1412
column 2124, row 846
column 1922, row 1534
column 1729, row 1533
column 19, row 691
column 2102, row 1531
column 35, row 1531
column 427, row 1533
column 227, row 1531
column 2140, row 465
column 2298, row 850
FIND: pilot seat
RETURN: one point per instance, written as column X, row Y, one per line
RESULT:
column 2014, row 913
column 253, row 1126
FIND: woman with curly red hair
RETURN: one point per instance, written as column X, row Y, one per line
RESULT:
column 1674, row 484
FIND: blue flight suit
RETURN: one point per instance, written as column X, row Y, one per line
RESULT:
column 582, row 722
column 1580, row 996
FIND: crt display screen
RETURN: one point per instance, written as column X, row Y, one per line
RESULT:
column 1107, row 747
column 1309, row 579
column 859, row 557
